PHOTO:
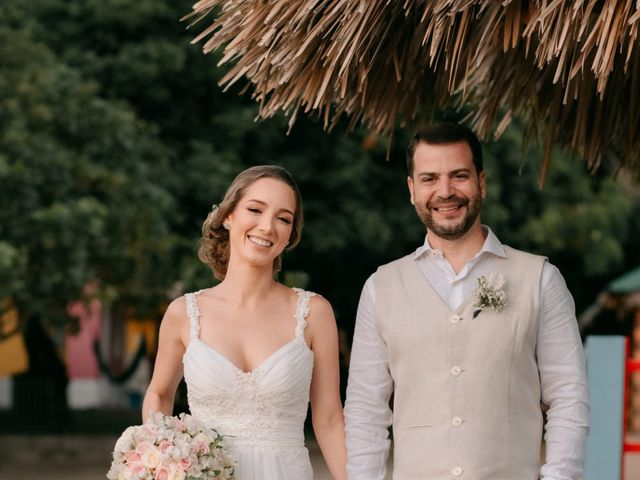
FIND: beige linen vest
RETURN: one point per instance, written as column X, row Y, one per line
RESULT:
column 466, row 399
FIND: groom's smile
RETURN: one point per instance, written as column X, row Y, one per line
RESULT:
column 446, row 189
column 451, row 206
column 450, row 221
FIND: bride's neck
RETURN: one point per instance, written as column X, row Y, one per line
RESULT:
column 247, row 286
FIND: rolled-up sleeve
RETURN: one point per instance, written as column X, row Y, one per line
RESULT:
column 367, row 412
column 563, row 380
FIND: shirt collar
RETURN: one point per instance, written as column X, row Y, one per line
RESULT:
column 491, row 245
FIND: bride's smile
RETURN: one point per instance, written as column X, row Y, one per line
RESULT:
column 260, row 225
column 260, row 241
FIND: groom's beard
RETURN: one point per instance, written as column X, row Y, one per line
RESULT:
column 455, row 231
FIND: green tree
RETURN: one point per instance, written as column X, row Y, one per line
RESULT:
column 83, row 180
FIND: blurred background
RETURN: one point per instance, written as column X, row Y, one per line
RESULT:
column 115, row 140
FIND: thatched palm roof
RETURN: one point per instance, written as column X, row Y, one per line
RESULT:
column 569, row 68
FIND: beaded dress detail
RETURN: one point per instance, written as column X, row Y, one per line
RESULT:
column 260, row 413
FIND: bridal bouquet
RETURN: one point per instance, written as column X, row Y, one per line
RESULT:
column 170, row 448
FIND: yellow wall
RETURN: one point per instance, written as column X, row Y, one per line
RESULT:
column 14, row 358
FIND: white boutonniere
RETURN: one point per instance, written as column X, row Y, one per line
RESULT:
column 490, row 293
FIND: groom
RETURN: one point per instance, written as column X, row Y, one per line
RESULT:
column 469, row 373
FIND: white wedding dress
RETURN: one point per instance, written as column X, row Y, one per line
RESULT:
column 260, row 413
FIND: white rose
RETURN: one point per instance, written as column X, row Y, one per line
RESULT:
column 124, row 442
column 151, row 458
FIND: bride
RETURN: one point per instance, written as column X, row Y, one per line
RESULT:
column 253, row 352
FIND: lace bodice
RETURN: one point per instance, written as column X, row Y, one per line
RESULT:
column 264, row 407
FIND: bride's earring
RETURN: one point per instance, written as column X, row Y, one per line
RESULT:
column 226, row 225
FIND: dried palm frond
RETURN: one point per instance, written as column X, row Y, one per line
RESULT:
column 570, row 68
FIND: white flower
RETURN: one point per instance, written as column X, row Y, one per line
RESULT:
column 490, row 293
column 126, row 439
column 151, row 458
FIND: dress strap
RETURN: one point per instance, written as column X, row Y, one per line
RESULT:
column 194, row 314
column 302, row 311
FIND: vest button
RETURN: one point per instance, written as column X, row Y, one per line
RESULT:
column 456, row 471
column 455, row 319
column 455, row 371
column 456, row 421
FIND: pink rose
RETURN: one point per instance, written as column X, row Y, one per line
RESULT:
column 143, row 447
column 186, row 463
column 164, row 444
column 161, row 473
column 132, row 458
column 169, row 472
column 201, row 443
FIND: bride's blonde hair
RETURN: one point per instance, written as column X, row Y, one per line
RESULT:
column 214, row 244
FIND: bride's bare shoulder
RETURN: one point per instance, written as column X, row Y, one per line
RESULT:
column 177, row 308
column 320, row 311
column 176, row 316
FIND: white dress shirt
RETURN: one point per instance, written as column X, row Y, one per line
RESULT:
column 559, row 354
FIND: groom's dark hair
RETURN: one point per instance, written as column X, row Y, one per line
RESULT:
column 444, row 133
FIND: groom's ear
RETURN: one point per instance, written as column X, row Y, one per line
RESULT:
column 482, row 182
column 410, row 185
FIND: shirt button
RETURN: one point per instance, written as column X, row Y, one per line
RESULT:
column 456, row 471
column 455, row 319
column 433, row 253
column 455, row 371
column 456, row 421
